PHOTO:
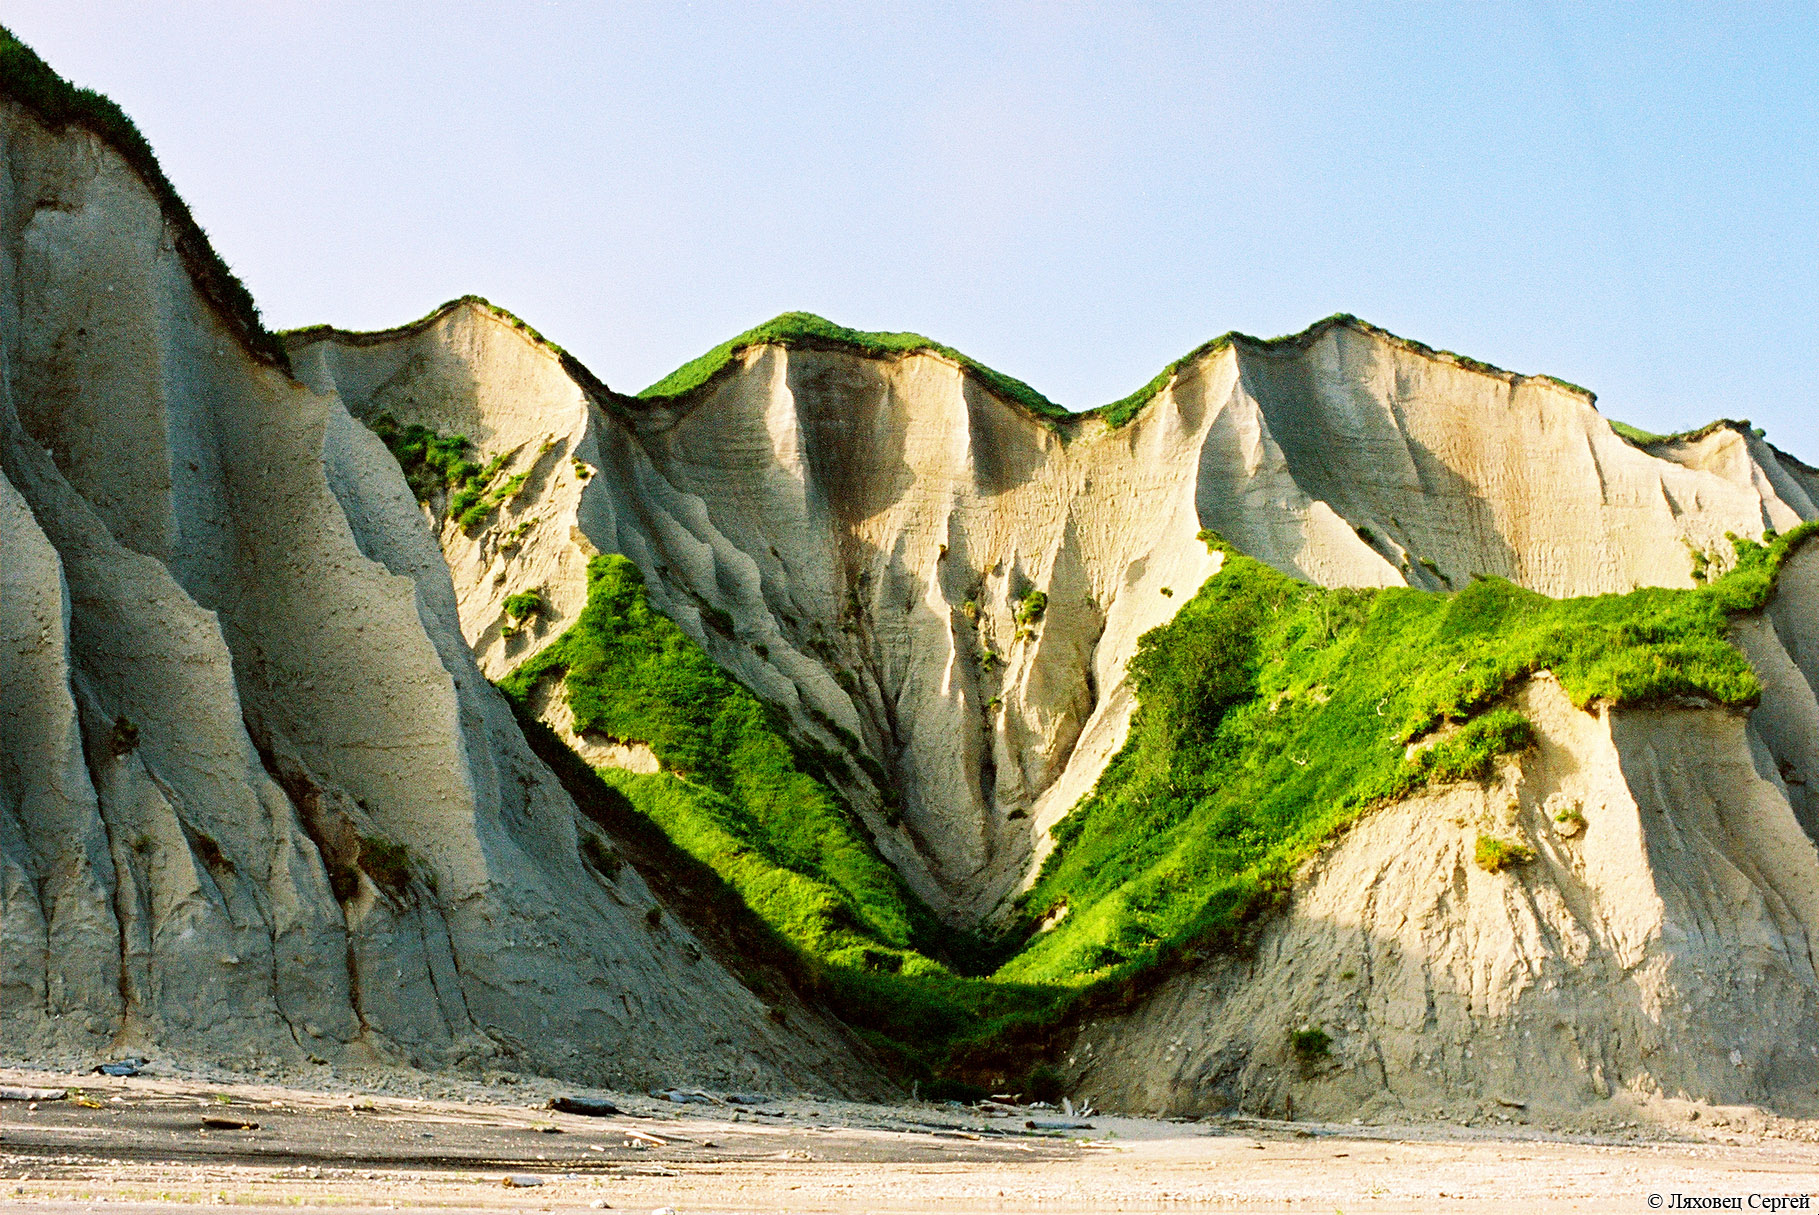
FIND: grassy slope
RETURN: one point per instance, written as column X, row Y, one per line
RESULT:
column 1197, row 825
column 29, row 81
column 745, row 804
column 737, row 797
column 1273, row 712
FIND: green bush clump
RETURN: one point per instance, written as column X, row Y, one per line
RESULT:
column 386, row 862
column 1310, row 1044
column 433, row 463
column 1494, row 855
column 525, row 604
column 436, row 463
column 473, row 504
column 1031, row 607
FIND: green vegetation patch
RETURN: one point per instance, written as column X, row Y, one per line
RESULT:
column 386, row 862
column 1311, row 1044
column 525, row 604
column 54, row 101
column 807, row 329
column 436, row 463
column 733, row 794
column 1494, row 855
column 1272, row 713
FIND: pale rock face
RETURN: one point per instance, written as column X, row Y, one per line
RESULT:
column 1453, row 471
column 843, row 513
column 231, row 651
column 852, row 515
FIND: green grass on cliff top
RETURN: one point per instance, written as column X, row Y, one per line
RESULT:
column 29, row 81
column 807, row 329
column 1271, row 713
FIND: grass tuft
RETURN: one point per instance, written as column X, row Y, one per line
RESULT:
column 525, row 604
column 386, row 862
column 1494, row 855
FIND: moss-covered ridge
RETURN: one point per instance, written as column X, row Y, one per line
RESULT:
column 31, row 83
column 305, row 335
column 805, row 329
column 1121, row 411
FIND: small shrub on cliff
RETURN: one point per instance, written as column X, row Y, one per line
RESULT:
column 123, row 740
column 1031, row 607
column 386, row 862
column 525, row 604
column 432, row 462
column 1494, row 855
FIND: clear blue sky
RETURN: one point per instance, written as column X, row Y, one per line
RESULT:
column 1623, row 195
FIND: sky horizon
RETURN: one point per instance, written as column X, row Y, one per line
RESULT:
column 1070, row 194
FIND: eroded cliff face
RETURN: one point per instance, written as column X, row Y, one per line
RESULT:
column 854, row 537
column 257, row 802
column 1444, row 470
